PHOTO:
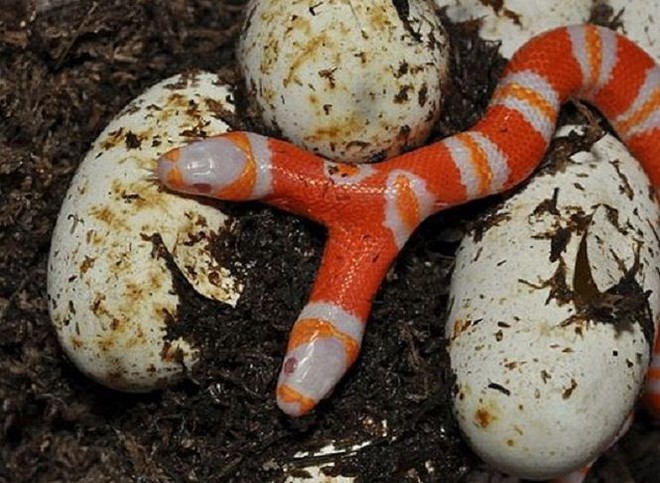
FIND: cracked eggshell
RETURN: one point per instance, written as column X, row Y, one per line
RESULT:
column 352, row 81
column 110, row 285
column 514, row 22
column 553, row 306
column 316, row 465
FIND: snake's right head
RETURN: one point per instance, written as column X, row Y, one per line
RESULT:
column 324, row 343
column 309, row 373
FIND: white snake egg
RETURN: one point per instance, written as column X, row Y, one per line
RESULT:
column 351, row 81
column 553, row 306
column 110, row 288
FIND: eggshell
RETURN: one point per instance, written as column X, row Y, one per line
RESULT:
column 514, row 22
column 110, row 286
column 640, row 22
column 352, row 81
column 315, row 463
column 316, row 473
column 552, row 309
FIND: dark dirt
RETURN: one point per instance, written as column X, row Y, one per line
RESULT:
column 64, row 73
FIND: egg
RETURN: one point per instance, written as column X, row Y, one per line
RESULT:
column 511, row 23
column 120, row 239
column 553, row 305
column 351, row 81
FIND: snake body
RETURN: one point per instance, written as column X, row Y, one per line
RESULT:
column 371, row 210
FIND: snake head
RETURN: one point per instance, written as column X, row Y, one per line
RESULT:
column 309, row 373
column 324, row 343
column 220, row 167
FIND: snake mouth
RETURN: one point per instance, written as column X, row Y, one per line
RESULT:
column 293, row 402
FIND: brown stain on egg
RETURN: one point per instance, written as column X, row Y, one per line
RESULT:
column 378, row 19
column 460, row 326
column 139, row 339
column 306, row 56
column 339, row 131
column 77, row 342
column 108, row 216
column 403, row 95
column 568, row 392
column 112, row 140
column 94, row 237
column 132, row 140
column 87, row 264
column 107, row 343
column 484, row 417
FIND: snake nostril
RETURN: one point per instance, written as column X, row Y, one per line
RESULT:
column 290, row 366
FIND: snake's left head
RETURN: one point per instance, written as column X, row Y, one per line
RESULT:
column 221, row 167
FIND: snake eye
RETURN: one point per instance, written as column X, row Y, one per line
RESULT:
column 290, row 366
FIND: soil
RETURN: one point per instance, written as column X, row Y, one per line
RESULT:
column 66, row 68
